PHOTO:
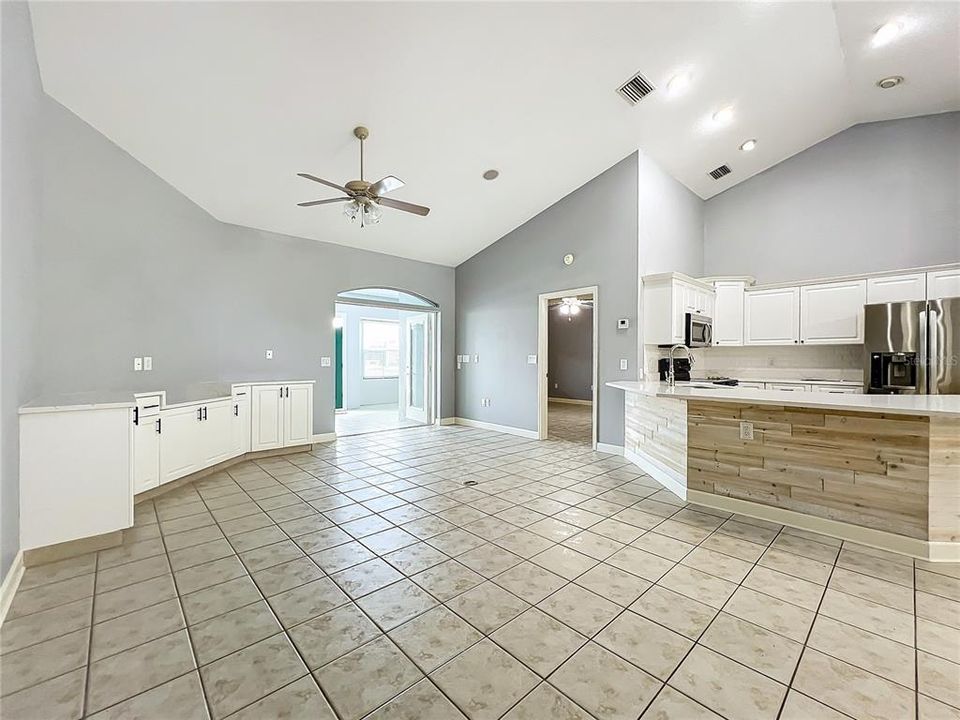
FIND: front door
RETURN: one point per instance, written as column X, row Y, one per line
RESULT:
column 416, row 378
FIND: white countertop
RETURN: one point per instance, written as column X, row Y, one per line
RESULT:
column 107, row 399
column 890, row 404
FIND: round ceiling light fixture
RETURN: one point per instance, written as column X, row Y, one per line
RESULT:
column 568, row 259
column 491, row 174
column 886, row 33
column 749, row 145
column 723, row 115
column 889, row 82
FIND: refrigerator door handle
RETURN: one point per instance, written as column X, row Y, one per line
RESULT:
column 933, row 351
column 924, row 369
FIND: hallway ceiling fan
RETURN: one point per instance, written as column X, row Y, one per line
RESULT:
column 363, row 198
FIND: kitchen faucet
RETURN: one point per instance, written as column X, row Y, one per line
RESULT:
column 671, row 375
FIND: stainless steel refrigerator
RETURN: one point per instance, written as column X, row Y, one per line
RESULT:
column 912, row 347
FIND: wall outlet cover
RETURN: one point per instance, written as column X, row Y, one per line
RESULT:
column 137, row 364
column 269, row 354
column 623, row 324
column 746, row 431
column 531, row 359
column 623, row 363
column 476, row 358
column 325, row 362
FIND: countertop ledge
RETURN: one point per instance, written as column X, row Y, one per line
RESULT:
column 113, row 399
column 948, row 405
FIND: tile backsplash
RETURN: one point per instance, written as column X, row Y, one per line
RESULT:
column 789, row 362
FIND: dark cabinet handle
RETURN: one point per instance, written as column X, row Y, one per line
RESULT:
column 204, row 412
column 136, row 414
column 199, row 413
column 236, row 410
column 159, row 420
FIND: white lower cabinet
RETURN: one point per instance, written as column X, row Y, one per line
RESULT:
column 146, row 453
column 180, row 448
column 216, row 432
column 772, row 316
column 241, row 422
column 281, row 416
column 832, row 313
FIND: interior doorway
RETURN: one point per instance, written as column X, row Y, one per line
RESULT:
column 567, row 365
column 385, row 361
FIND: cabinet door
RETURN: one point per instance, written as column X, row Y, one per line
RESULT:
column 146, row 454
column 266, row 417
column 832, row 313
column 678, row 311
column 216, row 432
column 728, row 314
column 241, row 425
column 897, row 288
column 772, row 317
column 180, row 443
column 943, row 284
column 298, row 415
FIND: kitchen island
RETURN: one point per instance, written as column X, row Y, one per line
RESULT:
column 883, row 470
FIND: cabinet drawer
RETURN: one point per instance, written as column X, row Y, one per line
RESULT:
column 752, row 385
column 838, row 389
column 789, row 387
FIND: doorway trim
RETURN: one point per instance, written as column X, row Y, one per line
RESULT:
column 543, row 395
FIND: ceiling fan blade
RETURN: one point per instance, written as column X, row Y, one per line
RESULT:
column 405, row 206
column 387, row 184
column 323, row 202
column 308, row 176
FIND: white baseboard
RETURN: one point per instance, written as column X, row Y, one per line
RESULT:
column 670, row 479
column 915, row 547
column 610, row 449
column 508, row 429
column 448, row 421
column 10, row 584
column 571, row 401
column 324, row 437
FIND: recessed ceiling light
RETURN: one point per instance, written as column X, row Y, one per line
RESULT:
column 886, row 33
column 678, row 84
column 889, row 82
column 491, row 175
column 749, row 145
column 723, row 116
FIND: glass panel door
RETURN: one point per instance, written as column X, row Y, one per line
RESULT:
column 417, row 370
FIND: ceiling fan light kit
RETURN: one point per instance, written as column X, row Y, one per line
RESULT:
column 365, row 201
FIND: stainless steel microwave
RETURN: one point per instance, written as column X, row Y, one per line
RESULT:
column 698, row 330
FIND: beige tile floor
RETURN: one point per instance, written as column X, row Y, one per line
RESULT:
column 365, row 580
column 370, row 418
column 570, row 422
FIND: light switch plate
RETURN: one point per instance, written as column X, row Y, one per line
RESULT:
column 623, row 363
column 269, row 354
column 466, row 358
column 137, row 364
column 324, row 362
column 147, row 362
column 531, row 359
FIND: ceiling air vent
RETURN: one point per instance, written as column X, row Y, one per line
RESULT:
column 635, row 89
column 719, row 172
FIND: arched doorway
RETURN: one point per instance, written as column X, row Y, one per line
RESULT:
column 385, row 360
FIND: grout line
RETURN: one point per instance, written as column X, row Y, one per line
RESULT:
column 93, row 608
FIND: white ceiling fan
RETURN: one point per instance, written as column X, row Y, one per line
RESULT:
column 363, row 198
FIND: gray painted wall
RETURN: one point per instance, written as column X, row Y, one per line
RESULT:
column 570, row 345
column 131, row 267
column 20, row 207
column 878, row 196
column 497, row 293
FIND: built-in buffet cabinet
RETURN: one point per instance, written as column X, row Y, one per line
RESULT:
column 828, row 312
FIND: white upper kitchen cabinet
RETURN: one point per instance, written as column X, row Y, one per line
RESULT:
column 728, row 313
column 771, row 316
column 281, row 416
column 266, row 417
column 897, row 288
column 832, row 313
column 298, row 415
column 667, row 298
column 181, row 448
column 943, row 284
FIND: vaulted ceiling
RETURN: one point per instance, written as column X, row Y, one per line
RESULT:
column 226, row 101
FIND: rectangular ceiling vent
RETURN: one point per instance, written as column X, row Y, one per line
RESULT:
column 635, row 89
column 719, row 172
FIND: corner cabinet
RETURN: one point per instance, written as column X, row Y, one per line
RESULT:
column 281, row 416
column 667, row 298
column 832, row 313
column 772, row 316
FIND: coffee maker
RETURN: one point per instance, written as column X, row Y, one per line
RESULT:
column 681, row 368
